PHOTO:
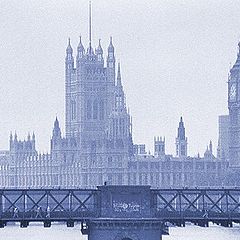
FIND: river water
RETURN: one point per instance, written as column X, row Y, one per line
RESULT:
column 61, row 232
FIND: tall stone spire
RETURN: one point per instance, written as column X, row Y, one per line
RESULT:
column 119, row 79
column 181, row 130
column 181, row 140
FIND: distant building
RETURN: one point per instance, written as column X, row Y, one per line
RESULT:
column 223, row 141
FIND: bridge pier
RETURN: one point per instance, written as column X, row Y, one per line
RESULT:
column 125, row 214
column 125, row 229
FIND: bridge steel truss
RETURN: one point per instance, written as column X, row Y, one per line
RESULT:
column 177, row 206
column 199, row 206
column 47, row 205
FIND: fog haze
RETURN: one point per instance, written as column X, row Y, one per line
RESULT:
column 175, row 57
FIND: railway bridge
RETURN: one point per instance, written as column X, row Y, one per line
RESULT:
column 121, row 212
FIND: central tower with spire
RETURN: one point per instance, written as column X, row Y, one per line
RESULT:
column 96, row 112
column 90, row 89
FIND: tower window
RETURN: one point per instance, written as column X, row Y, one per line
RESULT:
column 95, row 109
column 182, row 150
column 101, row 110
column 118, row 101
column 73, row 110
column 89, row 109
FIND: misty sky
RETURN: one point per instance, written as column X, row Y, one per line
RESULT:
column 175, row 58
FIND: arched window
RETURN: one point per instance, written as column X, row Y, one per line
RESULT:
column 73, row 110
column 111, row 64
column 95, row 109
column 101, row 110
column 89, row 109
column 110, row 54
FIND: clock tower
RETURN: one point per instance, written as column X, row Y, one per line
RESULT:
column 234, row 113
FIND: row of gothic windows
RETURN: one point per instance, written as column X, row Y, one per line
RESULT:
column 95, row 109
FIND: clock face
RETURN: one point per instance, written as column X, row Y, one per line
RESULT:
column 232, row 92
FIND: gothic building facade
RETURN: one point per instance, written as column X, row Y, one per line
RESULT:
column 98, row 145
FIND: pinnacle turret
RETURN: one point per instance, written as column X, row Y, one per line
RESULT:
column 236, row 66
column 11, row 136
column 80, row 49
column 69, row 56
column 99, row 49
column 56, row 129
column 56, row 123
column 15, row 136
column 33, row 136
column 210, row 146
column 28, row 137
column 111, row 58
column 110, row 47
column 99, row 52
column 69, row 49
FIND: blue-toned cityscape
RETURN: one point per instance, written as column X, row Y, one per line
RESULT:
column 96, row 178
column 98, row 147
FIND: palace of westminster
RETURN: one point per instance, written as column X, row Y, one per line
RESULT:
column 98, row 146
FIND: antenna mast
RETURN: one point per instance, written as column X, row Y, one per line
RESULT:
column 90, row 23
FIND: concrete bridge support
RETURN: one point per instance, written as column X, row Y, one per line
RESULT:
column 125, row 230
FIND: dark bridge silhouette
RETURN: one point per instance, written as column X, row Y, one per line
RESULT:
column 125, row 212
